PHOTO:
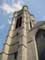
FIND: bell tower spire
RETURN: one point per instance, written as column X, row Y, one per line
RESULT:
column 15, row 47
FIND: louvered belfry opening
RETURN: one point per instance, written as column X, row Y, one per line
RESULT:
column 18, row 23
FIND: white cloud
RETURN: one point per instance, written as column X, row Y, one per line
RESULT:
column 2, row 27
column 11, row 8
column 12, row 1
column 5, row 7
column 9, row 21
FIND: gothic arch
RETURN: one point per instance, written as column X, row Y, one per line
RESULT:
column 40, row 41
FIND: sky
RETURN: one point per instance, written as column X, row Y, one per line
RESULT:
column 8, row 7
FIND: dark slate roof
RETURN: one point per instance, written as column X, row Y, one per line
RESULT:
column 0, row 56
column 39, row 23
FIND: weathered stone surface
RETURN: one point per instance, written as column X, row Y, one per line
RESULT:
column 22, row 39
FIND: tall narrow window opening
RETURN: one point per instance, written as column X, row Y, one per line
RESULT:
column 30, row 25
column 15, row 55
column 18, row 23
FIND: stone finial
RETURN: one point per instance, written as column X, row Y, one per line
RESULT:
column 25, row 7
column 15, row 13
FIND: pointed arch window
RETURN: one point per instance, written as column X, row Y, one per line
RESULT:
column 30, row 24
column 18, row 23
column 40, row 41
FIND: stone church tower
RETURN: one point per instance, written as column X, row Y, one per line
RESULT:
column 20, row 42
